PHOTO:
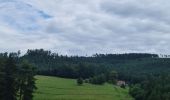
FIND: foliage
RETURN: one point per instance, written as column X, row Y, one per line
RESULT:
column 79, row 81
column 8, row 79
column 99, row 79
column 112, row 76
column 123, row 86
column 137, row 92
column 15, row 78
column 131, row 67
column 154, row 88
column 26, row 81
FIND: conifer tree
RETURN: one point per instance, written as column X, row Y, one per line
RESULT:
column 10, row 83
column 26, row 81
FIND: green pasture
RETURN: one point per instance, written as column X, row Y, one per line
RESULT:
column 53, row 88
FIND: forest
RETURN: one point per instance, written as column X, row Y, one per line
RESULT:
column 131, row 67
column 147, row 75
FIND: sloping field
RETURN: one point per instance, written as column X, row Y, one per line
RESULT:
column 53, row 88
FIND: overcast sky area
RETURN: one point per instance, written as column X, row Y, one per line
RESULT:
column 80, row 27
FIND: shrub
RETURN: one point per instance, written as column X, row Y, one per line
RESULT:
column 79, row 81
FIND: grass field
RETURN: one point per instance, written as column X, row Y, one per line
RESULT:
column 52, row 88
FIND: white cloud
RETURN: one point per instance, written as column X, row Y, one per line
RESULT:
column 85, row 27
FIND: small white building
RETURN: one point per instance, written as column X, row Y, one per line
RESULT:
column 120, row 83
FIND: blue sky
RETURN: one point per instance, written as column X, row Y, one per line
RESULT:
column 80, row 27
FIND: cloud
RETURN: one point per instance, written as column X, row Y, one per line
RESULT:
column 85, row 27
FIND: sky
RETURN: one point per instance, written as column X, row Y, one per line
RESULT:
column 85, row 27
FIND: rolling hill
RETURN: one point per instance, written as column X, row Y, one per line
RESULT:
column 53, row 88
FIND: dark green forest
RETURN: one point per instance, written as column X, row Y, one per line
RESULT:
column 146, row 74
column 131, row 67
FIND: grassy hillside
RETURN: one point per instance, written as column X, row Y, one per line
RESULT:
column 52, row 88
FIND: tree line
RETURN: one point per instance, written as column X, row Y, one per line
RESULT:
column 131, row 67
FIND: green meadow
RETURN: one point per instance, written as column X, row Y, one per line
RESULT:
column 53, row 88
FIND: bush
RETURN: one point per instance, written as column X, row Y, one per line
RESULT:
column 123, row 86
column 100, row 79
column 79, row 81
column 86, row 80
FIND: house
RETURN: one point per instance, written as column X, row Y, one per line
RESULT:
column 120, row 83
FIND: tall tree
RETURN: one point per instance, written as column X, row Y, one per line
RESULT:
column 2, row 81
column 26, row 81
column 10, row 86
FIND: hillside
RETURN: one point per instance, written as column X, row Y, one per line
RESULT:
column 132, row 67
column 52, row 88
